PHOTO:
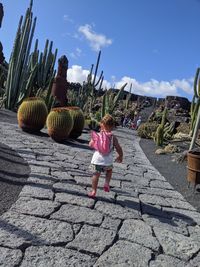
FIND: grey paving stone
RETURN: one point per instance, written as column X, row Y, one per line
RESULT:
column 104, row 196
column 109, row 223
column 39, row 169
column 177, row 245
column 84, row 201
column 155, row 200
column 62, row 176
column 87, row 180
column 66, row 165
column 136, row 182
column 126, row 192
column 167, row 261
column 191, row 217
column 174, row 225
column 125, row 254
column 161, row 184
column 62, row 156
column 77, row 214
column 139, row 232
column 69, row 188
column 116, row 211
column 195, row 262
column 36, row 179
column 18, row 230
column 180, row 204
column 151, row 175
column 154, row 210
column 44, row 164
column 161, row 192
column 33, row 206
column 37, row 191
column 129, row 202
column 10, row 257
column 76, row 228
column 194, row 232
column 93, row 239
column 55, row 257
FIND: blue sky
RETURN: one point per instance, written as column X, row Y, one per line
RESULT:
column 153, row 44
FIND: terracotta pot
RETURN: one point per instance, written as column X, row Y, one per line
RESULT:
column 193, row 173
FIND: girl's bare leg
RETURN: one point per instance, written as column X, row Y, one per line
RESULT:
column 107, row 180
column 95, row 180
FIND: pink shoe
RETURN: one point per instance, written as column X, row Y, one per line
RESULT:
column 106, row 188
column 92, row 194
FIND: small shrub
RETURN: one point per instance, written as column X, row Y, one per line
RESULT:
column 183, row 128
column 147, row 130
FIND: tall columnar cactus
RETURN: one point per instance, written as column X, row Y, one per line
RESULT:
column 19, row 58
column 128, row 97
column 160, row 130
column 195, row 110
column 92, row 83
column 110, row 101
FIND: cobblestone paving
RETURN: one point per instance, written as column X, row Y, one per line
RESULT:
column 143, row 221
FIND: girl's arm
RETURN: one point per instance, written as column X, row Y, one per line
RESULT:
column 118, row 149
column 91, row 143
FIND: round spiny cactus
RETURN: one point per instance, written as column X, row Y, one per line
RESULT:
column 79, row 121
column 32, row 114
column 59, row 124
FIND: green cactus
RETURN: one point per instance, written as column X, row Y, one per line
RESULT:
column 110, row 101
column 19, row 58
column 160, row 130
column 78, row 121
column 32, row 114
column 128, row 97
column 195, row 110
column 59, row 124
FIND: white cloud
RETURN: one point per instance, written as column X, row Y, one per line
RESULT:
column 150, row 88
column 96, row 41
column 78, row 74
column 76, row 54
column 158, row 88
column 67, row 18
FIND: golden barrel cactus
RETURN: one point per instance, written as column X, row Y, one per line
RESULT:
column 59, row 124
column 79, row 121
column 32, row 114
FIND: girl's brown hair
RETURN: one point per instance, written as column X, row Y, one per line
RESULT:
column 108, row 121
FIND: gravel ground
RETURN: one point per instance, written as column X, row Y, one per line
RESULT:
column 175, row 173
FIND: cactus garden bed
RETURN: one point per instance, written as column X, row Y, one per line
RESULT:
column 174, row 172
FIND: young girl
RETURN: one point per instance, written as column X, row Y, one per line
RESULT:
column 102, row 162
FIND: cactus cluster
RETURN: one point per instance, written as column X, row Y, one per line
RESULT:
column 28, row 73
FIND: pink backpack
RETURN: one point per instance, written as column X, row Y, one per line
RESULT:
column 102, row 142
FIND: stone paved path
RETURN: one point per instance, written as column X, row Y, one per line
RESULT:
column 143, row 221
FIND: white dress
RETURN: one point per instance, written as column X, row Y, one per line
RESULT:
column 103, row 160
